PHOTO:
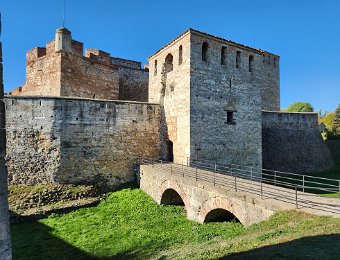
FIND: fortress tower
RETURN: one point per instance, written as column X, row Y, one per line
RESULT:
column 209, row 99
column 213, row 91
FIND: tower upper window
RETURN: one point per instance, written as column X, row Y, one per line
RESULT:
column 169, row 66
column 180, row 55
column 238, row 59
column 155, row 69
column 205, row 51
column 251, row 63
column 223, row 55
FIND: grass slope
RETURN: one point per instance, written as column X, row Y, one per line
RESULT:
column 129, row 224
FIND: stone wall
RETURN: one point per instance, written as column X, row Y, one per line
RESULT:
column 59, row 140
column 292, row 142
column 133, row 81
column 42, row 74
column 63, row 70
column 88, row 77
column 169, row 85
column 201, row 197
column 195, row 94
column 215, row 88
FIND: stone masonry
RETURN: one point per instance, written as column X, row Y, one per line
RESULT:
column 292, row 142
column 196, row 92
column 63, row 140
column 207, row 97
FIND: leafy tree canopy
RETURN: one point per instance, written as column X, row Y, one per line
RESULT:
column 300, row 107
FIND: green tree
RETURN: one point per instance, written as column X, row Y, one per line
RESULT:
column 336, row 124
column 332, row 124
column 300, row 107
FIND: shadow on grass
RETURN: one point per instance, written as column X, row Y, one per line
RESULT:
column 314, row 247
column 32, row 240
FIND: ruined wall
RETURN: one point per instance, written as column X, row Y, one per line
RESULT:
column 172, row 90
column 59, row 140
column 212, row 87
column 292, row 142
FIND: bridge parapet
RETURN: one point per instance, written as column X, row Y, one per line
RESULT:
column 204, row 192
column 199, row 196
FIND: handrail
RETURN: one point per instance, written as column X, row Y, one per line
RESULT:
column 302, row 180
column 257, row 183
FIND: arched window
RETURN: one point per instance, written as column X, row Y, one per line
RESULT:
column 169, row 63
column 155, row 69
column 251, row 63
column 205, row 51
column 180, row 55
column 223, row 55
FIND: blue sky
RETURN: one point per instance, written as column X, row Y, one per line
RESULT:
column 305, row 33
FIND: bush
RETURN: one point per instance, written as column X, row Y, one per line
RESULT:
column 300, row 107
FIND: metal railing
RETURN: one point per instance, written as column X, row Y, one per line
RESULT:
column 301, row 182
column 251, row 180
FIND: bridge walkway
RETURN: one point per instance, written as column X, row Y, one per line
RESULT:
column 274, row 195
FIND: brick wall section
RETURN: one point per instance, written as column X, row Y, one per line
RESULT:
column 119, row 62
column 292, row 142
column 133, row 84
column 70, row 74
column 42, row 74
column 59, row 140
column 210, row 135
column 88, row 77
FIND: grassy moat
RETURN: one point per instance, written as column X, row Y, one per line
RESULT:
column 128, row 224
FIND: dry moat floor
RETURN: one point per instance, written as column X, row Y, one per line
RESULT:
column 128, row 224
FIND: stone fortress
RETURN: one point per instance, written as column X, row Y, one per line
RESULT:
column 87, row 119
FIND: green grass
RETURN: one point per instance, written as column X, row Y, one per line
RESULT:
column 129, row 224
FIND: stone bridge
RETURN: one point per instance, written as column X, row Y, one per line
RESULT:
column 210, row 196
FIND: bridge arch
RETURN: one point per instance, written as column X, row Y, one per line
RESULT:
column 171, row 197
column 217, row 209
column 170, row 193
column 220, row 215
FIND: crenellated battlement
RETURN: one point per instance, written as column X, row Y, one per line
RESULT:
column 98, row 55
column 61, row 69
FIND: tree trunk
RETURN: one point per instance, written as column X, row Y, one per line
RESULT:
column 5, row 234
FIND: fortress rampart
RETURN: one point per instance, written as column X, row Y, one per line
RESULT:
column 292, row 142
column 65, row 140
